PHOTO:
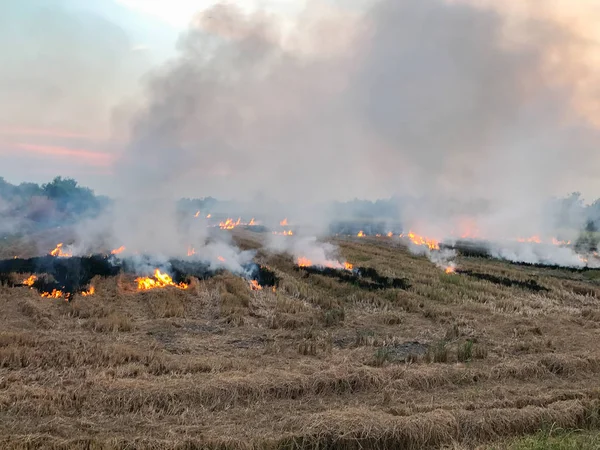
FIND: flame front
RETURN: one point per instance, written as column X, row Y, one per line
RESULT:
column 254, row 285
column 54, row 294
column 534, row 239
column 160, row 280
column 252, row 222
column 229, row 224
column 116, row 251
column 284, row 222
column 432, row 244
column 284, row 233
column 89, row 292
column 58, row 252
column 191, row 251
column 304, row 262
column 360, row 234
column 450, row 269
column 29, row 281
column 197, row 214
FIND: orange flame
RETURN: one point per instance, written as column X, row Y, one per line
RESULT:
column 304, row 262
column 560, row 243
column 53, row 294
column 284, row 233
column 252, row 222
column 160, row 280
column 58, row 252
column 284, row 222
column 191, row 251
column 360, row 234
column 89, row 292
column 29, row 281
column 534, row 239
column 254, row 285
column 390, row 234
column 450, row 269
column 116, row 251
column 197, row 214
column 432, row 244
column 208, row 216
column 229, row 224
column 220, row 258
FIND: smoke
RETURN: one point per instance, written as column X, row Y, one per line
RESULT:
column 473, row 111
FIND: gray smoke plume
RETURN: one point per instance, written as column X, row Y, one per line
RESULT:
column 471, row 111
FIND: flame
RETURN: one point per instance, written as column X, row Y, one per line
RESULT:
column 284, row 222
column 390, row 234
column 89, row 292
column 432, row 244
column 116, row 251
column 29, row 281
column 304, row 262
column 252, row 222
column 254, row 285
column 229, row 224
column 208, row 216
column 220, row 258
column 360, row 234
column 59, row 252
column 191, row 251
column 534, row 239
column 53, row 294
column 197, row 214
column 560, row 243
column 160, row 280
column 450, row 269
column 284, row 233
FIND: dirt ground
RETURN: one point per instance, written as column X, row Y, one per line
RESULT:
column 453, row 360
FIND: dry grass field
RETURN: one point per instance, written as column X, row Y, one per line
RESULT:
column 454, row 360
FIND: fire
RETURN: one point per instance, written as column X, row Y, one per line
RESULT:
column 191, row 251
column 197, row 214
column 252, row 222
column 208, row 216
column 160, row 280
column 220, row 258
column 304, row 262
column 229, row 224
column 58, row 251
column 284, row 233
column 432, row 244
column 450, row 269
column 534, row 239
column 254, row 285
column 29, row 281
column 89, row 292
column 560, row 243
column 284, row 222
column 54, row 294
column 360, row 234
column 390, row 234
column 116, row 251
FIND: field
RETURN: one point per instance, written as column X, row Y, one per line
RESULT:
column 453, row 360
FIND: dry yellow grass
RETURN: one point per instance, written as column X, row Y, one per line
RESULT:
column 454, row 361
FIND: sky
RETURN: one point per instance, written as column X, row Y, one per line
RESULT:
column 78, row 73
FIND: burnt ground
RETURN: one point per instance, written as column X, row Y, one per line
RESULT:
column 455, row 360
